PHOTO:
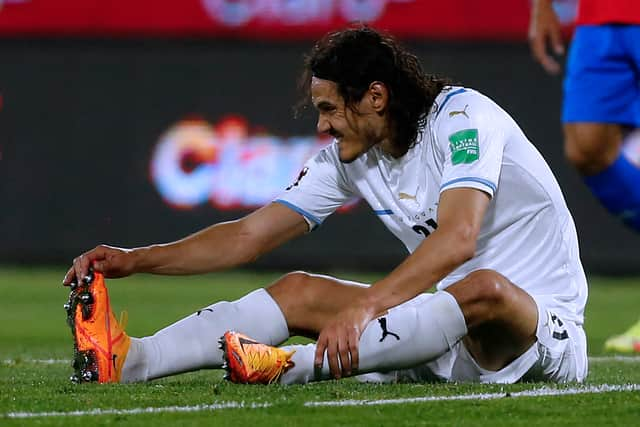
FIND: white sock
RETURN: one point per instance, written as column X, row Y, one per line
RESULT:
column 631, row 147
column 406, row 337
column 192, row 343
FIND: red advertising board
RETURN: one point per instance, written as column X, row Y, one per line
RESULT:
column 264, row 19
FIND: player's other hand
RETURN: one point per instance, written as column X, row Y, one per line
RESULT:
column 340, row 339
column 111, row 261
column 545, row 30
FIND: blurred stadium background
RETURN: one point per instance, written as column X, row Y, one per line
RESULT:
column 132, row 123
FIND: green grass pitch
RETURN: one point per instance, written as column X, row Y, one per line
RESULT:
column 35, row 341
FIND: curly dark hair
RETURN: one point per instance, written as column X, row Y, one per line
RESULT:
column 355, row 57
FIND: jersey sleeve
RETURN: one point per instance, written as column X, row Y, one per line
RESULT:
column 320, row 189
column 469, row 134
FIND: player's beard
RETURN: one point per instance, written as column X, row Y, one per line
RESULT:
column 350, row 149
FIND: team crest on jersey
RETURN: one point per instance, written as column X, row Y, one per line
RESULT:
column 465, row 147
column 302, row 174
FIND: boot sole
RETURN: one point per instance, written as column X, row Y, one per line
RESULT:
column 85, row 363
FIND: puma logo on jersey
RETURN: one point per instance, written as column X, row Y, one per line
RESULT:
column 385, row 333
column 405, row 196
column 303, row 173
column 463, row 112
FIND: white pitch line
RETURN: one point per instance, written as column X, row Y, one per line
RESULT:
column 618, row 358
column 36, row 361
column 135, row 411
column 544, row 391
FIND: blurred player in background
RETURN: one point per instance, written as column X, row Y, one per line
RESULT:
column 450, row 174
column 601, row 108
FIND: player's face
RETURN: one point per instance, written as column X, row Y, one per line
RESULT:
column 355, row 129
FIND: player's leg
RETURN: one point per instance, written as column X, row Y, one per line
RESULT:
column 596, row 150
column 501, row 318
column 626, row 342
column 496, row 318
column 601, row 102
column 192, row 343
column 512, row 336
column 413, row 333
column 592, row 147
column 309, row 301
column 298, row 301
column 104, row 352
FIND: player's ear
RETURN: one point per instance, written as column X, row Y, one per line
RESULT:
column 378, row 96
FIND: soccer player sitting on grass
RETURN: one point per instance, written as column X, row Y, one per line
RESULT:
column 450, row 174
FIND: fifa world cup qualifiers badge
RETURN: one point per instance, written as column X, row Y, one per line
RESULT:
column 464, row 146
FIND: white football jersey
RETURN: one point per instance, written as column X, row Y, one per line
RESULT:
column 528, row 234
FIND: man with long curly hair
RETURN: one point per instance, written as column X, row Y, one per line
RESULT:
column 450, row 174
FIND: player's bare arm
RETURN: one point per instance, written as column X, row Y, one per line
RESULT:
column 460, row 215
column 545, row 30
column 218, row 247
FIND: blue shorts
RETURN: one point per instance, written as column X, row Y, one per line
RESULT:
column 602, row 82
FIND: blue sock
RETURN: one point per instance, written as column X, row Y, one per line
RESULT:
column 618, row 189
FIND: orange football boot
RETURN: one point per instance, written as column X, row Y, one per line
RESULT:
column 250, row 362
column 100, row 342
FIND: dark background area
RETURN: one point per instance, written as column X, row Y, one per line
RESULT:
column 79, row 119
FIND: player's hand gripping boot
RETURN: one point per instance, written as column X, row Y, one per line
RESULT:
column 249, row 362
column 100, row 344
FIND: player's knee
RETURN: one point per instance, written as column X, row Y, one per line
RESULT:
column 490, row 295
column 292, row 289
column 580, row 158
column 590, row 148
column 295, row 278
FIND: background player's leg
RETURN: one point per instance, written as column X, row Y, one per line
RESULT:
column 610, row 161
column 595, row 149
column 592, row 147
column 600, row 91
